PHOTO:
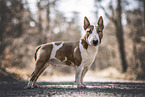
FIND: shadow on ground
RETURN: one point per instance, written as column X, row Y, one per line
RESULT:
column 69, row 89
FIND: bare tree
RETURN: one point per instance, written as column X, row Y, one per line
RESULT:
column 116, row 18
column 119, row 35
column 11, row 22
column 144, row 14
column 135, row 20
column 39, row 15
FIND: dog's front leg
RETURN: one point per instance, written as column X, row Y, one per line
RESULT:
column 76, row 75
column 78, row 80
column 83, row 74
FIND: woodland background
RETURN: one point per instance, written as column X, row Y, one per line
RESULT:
column 23, row 29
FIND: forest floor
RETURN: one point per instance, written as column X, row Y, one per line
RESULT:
column 65, row 87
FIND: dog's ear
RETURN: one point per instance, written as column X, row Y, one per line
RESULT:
column 100, row 22
column 86, row 23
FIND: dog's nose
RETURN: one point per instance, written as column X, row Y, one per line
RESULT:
column 95, row 42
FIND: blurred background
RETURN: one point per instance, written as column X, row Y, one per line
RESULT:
column 25, row 24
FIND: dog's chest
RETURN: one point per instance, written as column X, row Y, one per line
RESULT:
column 89, row 54
column 92, row 51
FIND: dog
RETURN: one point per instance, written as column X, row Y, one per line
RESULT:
column 80, row 54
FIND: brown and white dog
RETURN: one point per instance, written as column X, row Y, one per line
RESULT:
column 79, row 54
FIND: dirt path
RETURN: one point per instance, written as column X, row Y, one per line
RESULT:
column 55, row 89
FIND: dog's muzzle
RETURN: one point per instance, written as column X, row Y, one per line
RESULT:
column 95, row 42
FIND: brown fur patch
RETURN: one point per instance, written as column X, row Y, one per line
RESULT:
column 90, row 28
column 84, row 43
column 45, row 55
column 68, row 62
column 101, row 35
column 77, row 56
column 70, row 51
column 100, row 31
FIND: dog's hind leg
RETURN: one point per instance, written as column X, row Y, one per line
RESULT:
column 40, row 67
column 42, row 55
column 40, row 72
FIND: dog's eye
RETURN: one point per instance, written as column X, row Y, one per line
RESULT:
column 99, row 31
column 89, row 31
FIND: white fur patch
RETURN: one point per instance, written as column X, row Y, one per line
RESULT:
column 53, row 60
column 88, row 55
column 30, row 84
column 55, row 48
column 65, row 59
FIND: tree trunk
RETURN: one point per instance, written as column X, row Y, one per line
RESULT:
column 144, row 16
column 48, row 17
column 39, row 17
column 119, row 35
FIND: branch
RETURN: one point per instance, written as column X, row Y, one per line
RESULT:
column 108, row 16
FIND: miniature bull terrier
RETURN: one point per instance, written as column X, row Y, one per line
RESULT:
column 80, row 54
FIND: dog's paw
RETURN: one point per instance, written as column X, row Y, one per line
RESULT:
column 31, row 86
column 84, row 84
column 28, row 87
column 36, row 86
column 81, row 86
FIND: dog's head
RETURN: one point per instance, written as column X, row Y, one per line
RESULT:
column 94, row 33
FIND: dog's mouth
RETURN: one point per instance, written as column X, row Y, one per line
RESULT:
column 95, row 44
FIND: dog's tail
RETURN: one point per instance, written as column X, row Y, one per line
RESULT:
column 36, row 52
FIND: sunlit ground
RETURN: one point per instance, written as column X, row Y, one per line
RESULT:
column 110, row 74
column 108, row 82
